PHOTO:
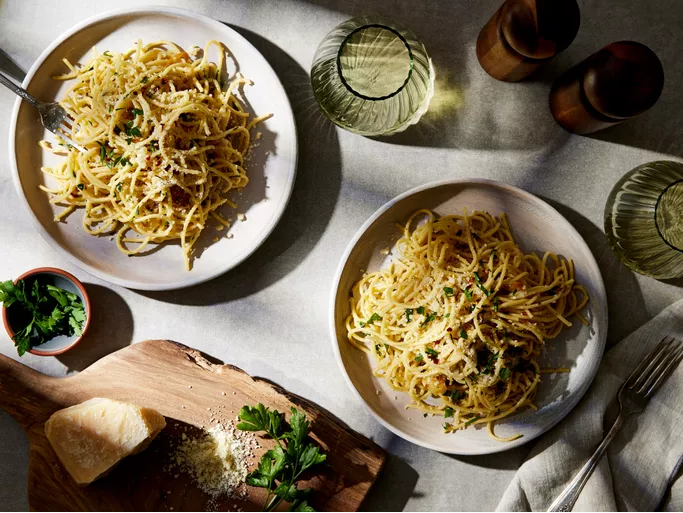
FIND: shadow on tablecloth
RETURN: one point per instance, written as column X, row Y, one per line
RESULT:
column 472, row 110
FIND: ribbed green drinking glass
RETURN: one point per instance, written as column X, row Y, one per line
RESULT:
column 644, row 219
column 372, row 77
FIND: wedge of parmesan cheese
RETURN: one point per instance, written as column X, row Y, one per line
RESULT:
column 92, row 437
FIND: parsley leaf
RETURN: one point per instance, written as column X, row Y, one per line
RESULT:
column 448, row 412
column 504, row 373
column 421, row 310
column 495, row 304
column 432, row 353
column 374, row 317
column 429, row 319
column 418, row 358
column 463, row 334
column 448, row 291
column 138, row 112
column 409, row 312
column 468, row 294
column 474, row 419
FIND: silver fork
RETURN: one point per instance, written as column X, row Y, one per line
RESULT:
column 634, row 395
column 52, row 115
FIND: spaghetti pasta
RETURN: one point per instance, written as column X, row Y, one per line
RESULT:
column 458, row 319
column 164, row 144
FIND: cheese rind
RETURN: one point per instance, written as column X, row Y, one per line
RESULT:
column 92, row 437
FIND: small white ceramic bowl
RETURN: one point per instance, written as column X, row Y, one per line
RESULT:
column 63, row 280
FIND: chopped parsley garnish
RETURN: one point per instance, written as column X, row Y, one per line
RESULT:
column 472, row 420
column 447, row 315
column 374, row 317
column 448, row 412
column 468, row 294
column 144, row 80
column 429, row 319
column 103, row 152
column 448, row 291
column 504, row 373
column 154, row 145
column 119, row 186
column 138, row 112
column 421, row 310
column 432, row 353
column 107, row 53
column 495, row 304
column 455, row 395
column 80, row 186
column 132, row 131
column 418, row 358
column 463, row 334
column 490, row 361
column 409, row 312
column 478, row 280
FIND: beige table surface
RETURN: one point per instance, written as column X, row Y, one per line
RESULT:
column 269, row 316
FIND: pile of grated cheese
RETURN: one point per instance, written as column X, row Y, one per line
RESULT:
column 217, row 459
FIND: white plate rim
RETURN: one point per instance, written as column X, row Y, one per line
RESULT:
column 131, row 284
column 594, row 365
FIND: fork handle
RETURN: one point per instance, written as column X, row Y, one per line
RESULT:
column 566, row 500
column 19, row 91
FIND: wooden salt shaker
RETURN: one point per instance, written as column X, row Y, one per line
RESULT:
column 618, row 82
column 524, row 34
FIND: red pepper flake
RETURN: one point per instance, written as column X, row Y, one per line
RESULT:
column 449, row 329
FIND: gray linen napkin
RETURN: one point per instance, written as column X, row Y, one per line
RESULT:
column 641, row 462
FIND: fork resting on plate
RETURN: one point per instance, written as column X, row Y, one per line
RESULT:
column 52, row 115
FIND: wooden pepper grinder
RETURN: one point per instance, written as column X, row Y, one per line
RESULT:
column 618, row 82
column 524, row 34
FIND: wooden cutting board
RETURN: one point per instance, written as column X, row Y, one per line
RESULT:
column 186, row 388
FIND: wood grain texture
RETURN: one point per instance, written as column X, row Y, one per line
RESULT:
column 522, row 35
column 183, row 385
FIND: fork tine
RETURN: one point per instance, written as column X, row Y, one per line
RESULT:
column 638, row 372
column 673, row 363
column 666, row 357
column 65, row 137
column 653, row 364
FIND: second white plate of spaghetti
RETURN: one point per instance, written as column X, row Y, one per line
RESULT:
column 469, row 316
column 187, row 148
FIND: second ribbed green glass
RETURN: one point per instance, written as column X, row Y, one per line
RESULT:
column 644, row 219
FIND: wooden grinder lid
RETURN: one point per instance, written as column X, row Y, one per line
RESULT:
column 623, row 79
column 540, row 29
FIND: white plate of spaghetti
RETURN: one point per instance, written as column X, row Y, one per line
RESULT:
column 186, row 151
column 469, row 316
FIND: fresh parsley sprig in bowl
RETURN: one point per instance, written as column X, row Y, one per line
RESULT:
column 46, row 311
